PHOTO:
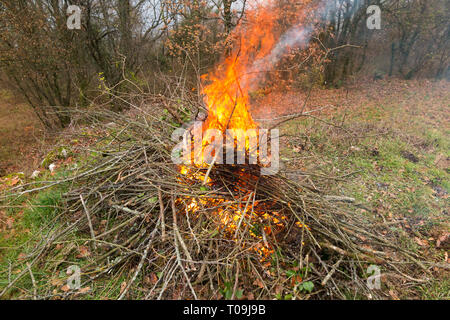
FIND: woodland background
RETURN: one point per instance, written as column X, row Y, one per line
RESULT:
column 148, row 42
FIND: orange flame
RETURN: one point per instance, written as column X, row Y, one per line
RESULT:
column 227, row 94
column 227, row 98
column 254, row 39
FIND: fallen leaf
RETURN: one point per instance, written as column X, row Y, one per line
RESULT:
column 442, row 239
column 9, row 222
column 258, row 283
column 422, row 243
column 84, row 290
column 65, row 288
column 393, row 295
column 296, row 279
column 153, row 278
column 278, row 289
column 123, row 285
column 56, row 282
column 84, row 252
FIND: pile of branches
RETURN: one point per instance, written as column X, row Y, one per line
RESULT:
column 126, row 204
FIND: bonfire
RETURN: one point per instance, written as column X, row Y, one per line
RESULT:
column 212, row 228
column 239, row 193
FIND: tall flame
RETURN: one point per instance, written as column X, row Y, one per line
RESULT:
column 226, row 93
column 258, row 43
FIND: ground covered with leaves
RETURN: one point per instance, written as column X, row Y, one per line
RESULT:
column 21, row 135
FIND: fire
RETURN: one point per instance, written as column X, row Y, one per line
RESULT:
column 226, row 94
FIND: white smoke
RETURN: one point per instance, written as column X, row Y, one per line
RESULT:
column 298, row 36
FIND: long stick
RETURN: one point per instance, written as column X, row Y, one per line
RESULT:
column 89, row 221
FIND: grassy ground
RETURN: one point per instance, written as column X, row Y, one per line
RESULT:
column 386, row 145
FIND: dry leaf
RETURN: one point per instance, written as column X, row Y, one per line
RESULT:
column 296, row 279
column 56, row 282
column 258, row 283
column 442, row 239
column 84, row 252
column 123, row 285
column 278, row 289
column 9, row 222
column 153, row 278
column 84, row 290
column 422, row 243
column 393, row 295
column 65, row 288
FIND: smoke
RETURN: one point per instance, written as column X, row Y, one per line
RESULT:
column 297, row 36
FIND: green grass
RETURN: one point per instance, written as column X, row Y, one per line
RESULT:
column 34, row 217
column 382, row 176
column 437, row 290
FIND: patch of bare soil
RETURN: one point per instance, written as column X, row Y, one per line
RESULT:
column 358, row 97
